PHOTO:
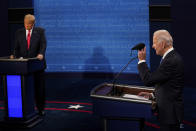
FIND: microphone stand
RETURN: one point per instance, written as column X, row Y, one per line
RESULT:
column 114, row 89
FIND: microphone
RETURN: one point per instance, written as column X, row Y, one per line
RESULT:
column 114, row 89
column 138, row 46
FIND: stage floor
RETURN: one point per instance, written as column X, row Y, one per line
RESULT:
column 64, row 95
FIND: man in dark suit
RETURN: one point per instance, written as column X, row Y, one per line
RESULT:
column 168, row 80
column 30, row 42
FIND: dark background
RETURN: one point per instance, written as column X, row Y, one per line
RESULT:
column 177, row 16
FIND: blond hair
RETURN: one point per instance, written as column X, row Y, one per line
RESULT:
column 30, row 17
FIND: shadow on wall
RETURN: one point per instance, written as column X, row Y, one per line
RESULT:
column 98, row 63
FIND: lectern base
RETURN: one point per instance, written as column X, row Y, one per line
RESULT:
column 123, row 123
column 21, row 123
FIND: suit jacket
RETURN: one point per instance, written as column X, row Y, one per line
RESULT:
column 168, row 80
column 37, row 43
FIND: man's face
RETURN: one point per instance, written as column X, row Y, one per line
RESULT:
column 159, row 47
column 28, row 24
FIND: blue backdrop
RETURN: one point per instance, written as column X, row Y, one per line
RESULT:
column 92, row 36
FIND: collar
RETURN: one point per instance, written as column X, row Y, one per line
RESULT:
column 30, row 30
column 169, row 50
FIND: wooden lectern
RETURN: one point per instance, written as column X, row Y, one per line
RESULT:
column 121, row 112
column 18, row 84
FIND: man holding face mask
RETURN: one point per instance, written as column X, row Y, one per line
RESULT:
column 168, row 80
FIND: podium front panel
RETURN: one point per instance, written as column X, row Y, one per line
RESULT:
column 18, row 84
column 105, row 104
column 14, row 96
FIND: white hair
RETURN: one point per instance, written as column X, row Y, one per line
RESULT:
column 163, row 35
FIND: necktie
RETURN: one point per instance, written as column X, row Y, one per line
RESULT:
column 161, row 60
column 28, row 39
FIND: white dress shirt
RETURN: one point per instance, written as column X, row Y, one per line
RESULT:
column 27, row 31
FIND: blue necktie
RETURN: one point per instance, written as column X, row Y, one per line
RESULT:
column 161, row 60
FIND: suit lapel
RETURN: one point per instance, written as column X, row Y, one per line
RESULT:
column 32, row 37
column 167, row 56
column 24, row 38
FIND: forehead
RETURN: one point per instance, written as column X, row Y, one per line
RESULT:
column 28, row 21
column 155, row 37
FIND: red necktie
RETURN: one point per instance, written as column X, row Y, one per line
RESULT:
column 28, row 39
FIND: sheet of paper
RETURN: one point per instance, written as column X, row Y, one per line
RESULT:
column 134, row 97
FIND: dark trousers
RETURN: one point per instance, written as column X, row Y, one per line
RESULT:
column 167, row 127
column 40, row 90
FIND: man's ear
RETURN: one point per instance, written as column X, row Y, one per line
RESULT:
column 163, row 45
